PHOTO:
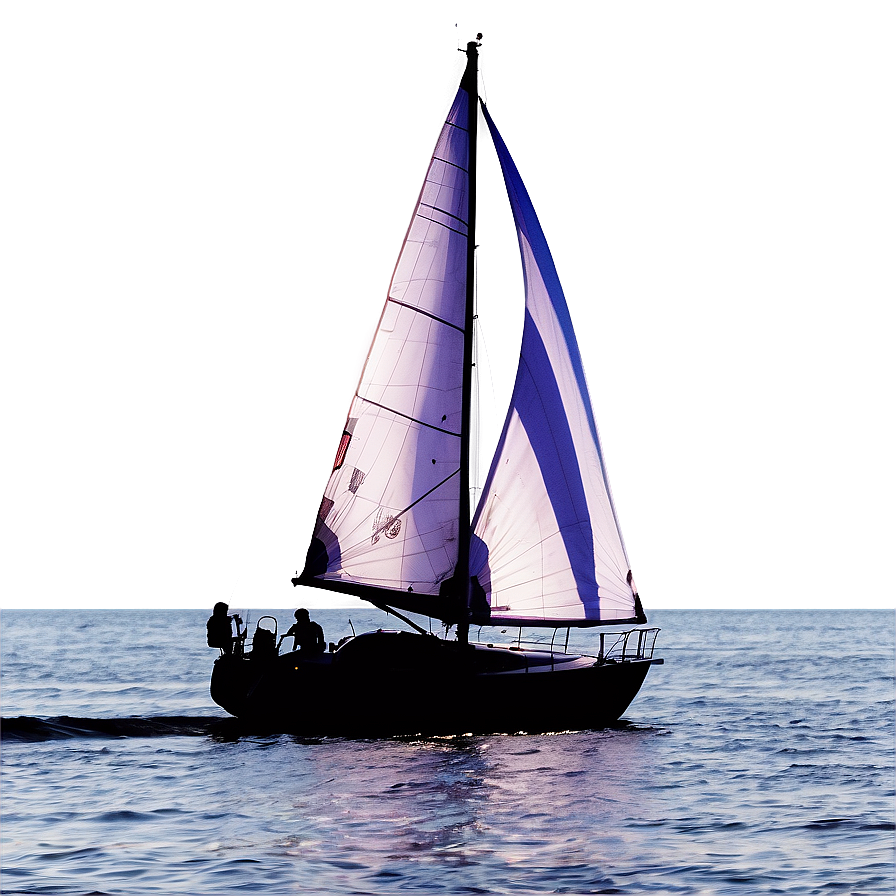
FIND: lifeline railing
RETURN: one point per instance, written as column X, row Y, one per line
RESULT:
column 616, row 646
column 635, row 644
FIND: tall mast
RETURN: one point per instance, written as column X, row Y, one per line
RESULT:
column 462, row 573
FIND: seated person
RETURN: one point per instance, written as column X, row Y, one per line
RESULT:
column 220, row 630
column 307, row 636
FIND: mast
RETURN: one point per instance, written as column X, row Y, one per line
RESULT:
column 462, row 573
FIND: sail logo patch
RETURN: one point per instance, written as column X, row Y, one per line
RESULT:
column 356, row 481
column 385, row 524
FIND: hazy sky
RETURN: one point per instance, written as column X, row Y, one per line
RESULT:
column 201, row 205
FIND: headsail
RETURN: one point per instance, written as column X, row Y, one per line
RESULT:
column 547, row 547
column 389, row 515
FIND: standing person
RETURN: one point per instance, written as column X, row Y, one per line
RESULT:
column 307, row 636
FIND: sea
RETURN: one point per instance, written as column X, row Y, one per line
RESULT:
column 759, row 759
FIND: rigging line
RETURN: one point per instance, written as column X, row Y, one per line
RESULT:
column 387, row 609
column 413, row 504
column 389, row 410
column 454, row 125
column 452, row 229
column 452, row 164
column 428, row 314
column 444, row 212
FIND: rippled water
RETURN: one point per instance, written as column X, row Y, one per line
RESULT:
column 759, row 759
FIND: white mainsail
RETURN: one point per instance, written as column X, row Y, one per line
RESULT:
column 389, row 516
column 547, row 546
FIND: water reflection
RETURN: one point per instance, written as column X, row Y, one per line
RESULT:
column 440, row 807
column 541, row 807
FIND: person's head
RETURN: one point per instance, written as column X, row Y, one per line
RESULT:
column 220, row 608
column 302, row 615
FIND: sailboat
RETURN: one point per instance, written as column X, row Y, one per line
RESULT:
column 395, row 526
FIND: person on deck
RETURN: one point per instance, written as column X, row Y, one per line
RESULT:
column 220, row 630
column 307, row 636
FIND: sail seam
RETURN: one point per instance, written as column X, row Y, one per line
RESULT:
column 452, row 164
column 428, row 314
column 444, row 212
column 389, row 410
column 442, row 224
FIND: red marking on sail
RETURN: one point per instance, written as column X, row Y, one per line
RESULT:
column 343, row 448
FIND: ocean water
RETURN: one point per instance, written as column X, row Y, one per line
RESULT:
column 759, row 759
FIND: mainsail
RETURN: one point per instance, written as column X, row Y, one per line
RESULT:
column 547, row 546
column 389, row 516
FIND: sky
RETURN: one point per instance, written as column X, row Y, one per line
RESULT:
column 201, row 204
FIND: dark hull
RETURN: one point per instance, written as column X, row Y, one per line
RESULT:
column 396, row 683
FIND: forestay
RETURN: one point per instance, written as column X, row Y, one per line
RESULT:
column 389, row 515
column 547, row 546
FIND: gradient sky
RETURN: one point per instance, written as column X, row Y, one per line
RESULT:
column 202, row 204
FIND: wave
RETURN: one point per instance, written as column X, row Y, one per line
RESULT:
column 28, row 729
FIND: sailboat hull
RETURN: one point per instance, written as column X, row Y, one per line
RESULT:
column 397, row 683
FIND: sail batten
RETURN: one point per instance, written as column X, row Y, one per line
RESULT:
column 383, row 407
column 443, row 212
column 426, row 314
column 449, row 162
column 443, row 224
